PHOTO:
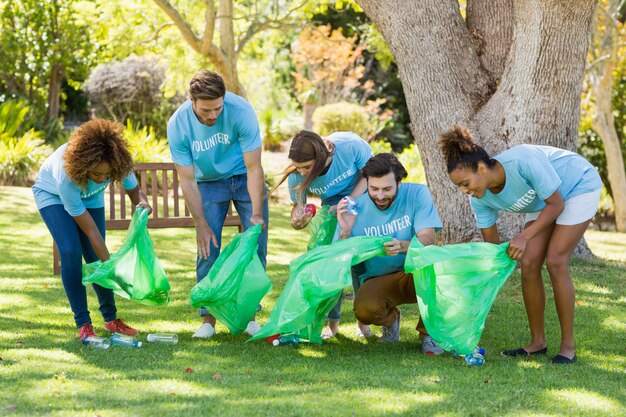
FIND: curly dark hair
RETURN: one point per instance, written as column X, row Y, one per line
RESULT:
column 95, row 142
column 460, row 150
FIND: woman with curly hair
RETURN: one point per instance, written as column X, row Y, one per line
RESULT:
column 69, row 193
column 559, row 192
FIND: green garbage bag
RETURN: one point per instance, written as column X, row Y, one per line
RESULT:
column 134, row 271
column 315, row 284
column 235, row 284
column 322, row 228
column 455, row 287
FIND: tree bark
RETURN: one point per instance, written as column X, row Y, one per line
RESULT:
column 450, row 77
column 223, row 57
column 54, row 91
column 601, row 81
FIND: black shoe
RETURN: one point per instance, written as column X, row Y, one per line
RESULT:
column 563, row 359
column 522, row 352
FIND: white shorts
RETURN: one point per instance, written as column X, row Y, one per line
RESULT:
column 578, row 209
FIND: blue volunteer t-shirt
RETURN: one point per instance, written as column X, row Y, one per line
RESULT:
column 53, row 186
column 216, row 152
column 534, row 173
column 411, row 212
column 351, row 154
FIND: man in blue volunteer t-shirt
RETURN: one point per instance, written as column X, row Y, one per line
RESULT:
column 215, row 143
column 396, row 209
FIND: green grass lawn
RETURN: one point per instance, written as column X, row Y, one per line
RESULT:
column 44, row 369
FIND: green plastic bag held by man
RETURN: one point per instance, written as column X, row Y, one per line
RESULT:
column 235, row 284
column 322, row 228
column 455, row 287
column 315, row 284
column 134, row 271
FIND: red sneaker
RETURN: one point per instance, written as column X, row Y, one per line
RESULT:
column 86, row 331
column 118, row 326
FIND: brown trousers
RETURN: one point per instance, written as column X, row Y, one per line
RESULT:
column 378, row 297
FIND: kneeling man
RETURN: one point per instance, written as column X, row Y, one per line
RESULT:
column 400, row 210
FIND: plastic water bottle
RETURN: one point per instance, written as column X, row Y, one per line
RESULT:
column 480, row 350
column 475, row 358
column 165, row 338
column 289, row 339
column 352, row 207
column 118, row 339
column 96, row 342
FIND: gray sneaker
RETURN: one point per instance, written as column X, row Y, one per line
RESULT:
column 430, row 347
column 391, row 334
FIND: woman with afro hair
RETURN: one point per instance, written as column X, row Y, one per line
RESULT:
column 69, row 194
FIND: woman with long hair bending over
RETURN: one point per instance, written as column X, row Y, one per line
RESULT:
column 330, row 168
column 559, row 192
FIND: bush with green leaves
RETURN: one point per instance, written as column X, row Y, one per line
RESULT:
column 341, row 117
column 144, row 144
column 412, row 162
column 278, row 126
column 409, row 157
column 380, row 146
column 22, row 150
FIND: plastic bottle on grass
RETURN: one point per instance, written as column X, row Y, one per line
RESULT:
column 289, row 339
column 474, row 359
column 479, row 349
column 165, row 338
column 118, row 339
column 96, row 342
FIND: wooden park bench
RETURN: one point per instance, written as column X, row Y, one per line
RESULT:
column 160, row 182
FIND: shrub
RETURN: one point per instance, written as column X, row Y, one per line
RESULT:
column 339, row 117
column 21, row 151
column 131, row 89
column 278, row 127
column 380, row 146
column 144, row 144
column 412, row 162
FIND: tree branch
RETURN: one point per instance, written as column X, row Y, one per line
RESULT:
column 183, row 26
column 209, row 27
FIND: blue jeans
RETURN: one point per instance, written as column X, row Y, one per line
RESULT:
column 73, row 245
column 334, row 315
column 216, row 198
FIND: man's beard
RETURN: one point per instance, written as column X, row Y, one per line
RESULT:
column 388, row 201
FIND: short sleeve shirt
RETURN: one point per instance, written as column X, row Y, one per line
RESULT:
column 216, row 152
column 534, row 173
column 412, row 211
column 53, row 186
column 351, row 154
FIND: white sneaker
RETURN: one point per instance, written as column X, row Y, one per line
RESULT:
column 206, row 331
column 252, row 328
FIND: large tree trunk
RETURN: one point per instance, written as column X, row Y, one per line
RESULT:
column 453, row 75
